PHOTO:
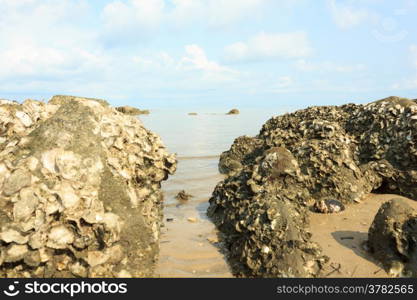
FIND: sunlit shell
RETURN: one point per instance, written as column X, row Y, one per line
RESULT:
column 24, row 208
column 59, row 237
column 48, row 160
column 67, row 195
column 10, row 235
column 95, row 258
column 16, row 181
column 32, row 163
column 37, row 240
column 15, row 253
column 4, row 174
column 68, row 164
column 24, row 118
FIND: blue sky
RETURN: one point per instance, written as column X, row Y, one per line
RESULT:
column 209, row 53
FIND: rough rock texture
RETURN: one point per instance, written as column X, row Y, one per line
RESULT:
column 133, row 111
column 392, row 238
column 80, row 190
column 298, row 159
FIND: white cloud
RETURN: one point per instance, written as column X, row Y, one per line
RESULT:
column 270, row 45
column 327, row 66
column 26, row 59
column 221, row 12
column 215, row 13
column 409, row 83
column 346, row 16
column 37, row 39
column 197, row 60
column 146, row 14
column 193, row 66
column 150, row 14
column 413, row 51
column 284, row 82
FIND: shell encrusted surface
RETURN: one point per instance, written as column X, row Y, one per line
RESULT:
column 339, row 153
column 80, row 190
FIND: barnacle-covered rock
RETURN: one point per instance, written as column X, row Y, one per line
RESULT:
column 392, row 238
column 80, row 190
column 321, row 159
column 242, row 150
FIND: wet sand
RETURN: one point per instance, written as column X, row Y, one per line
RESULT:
column 188, row 246
column 342, row 237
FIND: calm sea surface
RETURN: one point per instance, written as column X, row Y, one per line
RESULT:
column 206, row 134
column 187, row 248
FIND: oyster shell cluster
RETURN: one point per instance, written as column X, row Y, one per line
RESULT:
column 296, row 162
column 80, row 190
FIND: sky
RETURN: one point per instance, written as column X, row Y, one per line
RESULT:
column 209, row 53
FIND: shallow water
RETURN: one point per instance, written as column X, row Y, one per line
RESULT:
column 206, row 135
column 189, row 249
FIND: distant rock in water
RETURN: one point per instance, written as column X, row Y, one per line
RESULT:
column 234, row 111
column 324, row 158
column 192, row 114
column 391, row 238
column 80, row 185
column 133, row 111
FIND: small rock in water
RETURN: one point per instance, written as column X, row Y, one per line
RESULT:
column 328, row 206
column 233, row 111
column 133, row 111
column 183, row 196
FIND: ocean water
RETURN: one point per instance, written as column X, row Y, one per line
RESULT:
column 187, row 248
column 207, row 134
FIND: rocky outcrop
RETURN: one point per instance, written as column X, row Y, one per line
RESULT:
column 299, row 159
column 132, row 111
column 392, row 238
column 80, row 190
column 233, row 111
